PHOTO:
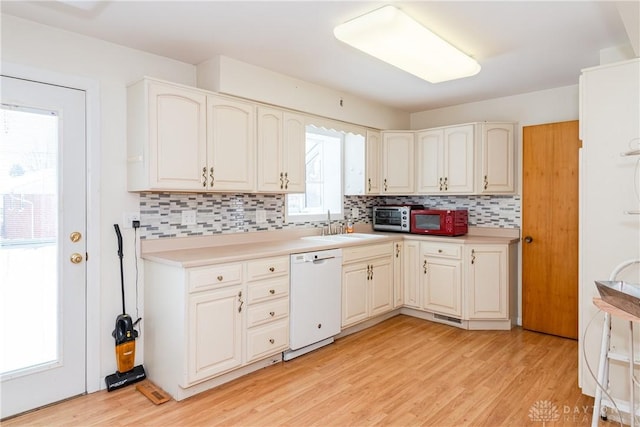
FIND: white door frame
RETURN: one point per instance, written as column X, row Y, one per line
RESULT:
column 92, row 90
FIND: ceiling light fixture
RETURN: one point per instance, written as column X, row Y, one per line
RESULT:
column 393, row 37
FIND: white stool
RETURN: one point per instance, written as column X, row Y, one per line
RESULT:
column 606, row 355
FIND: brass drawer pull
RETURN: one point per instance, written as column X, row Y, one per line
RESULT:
column 272, row 291
column 272, row 269
column 220, row 278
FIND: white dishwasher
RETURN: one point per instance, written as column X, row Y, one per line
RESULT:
column 315, row 299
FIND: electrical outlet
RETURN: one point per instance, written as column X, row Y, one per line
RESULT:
column 355, row 212
column 261, row 216
column 128, row 218
column 188, row 217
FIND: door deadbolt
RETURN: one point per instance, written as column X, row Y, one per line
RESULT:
column 75, row 236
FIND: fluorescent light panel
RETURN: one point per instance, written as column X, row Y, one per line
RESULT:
column 393, row 37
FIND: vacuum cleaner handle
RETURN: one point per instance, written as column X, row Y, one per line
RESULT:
column 119, row 235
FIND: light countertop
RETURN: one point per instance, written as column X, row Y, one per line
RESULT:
column 205, row 250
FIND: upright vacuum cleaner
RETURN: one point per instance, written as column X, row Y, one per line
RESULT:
column 125, row 336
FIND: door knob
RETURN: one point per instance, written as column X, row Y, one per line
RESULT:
column 528, row 239
column 76, row 258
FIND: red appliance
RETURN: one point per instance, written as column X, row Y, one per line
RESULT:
column 440, row 222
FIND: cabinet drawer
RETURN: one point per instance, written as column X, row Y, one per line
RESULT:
column 264, row 341
column 273, row 289
column 444, row 250
column 267, row 267
column 215, row 276
column 267, row 312
column 357, row 253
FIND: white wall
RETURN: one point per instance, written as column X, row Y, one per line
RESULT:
column 233, row 77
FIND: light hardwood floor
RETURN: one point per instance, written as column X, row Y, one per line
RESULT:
column 402, row 372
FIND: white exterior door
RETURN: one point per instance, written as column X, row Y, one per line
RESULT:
column 42, row 244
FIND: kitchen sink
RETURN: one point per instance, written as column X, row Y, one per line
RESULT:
column 344, row 237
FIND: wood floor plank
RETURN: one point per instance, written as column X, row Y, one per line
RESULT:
column 402, row 372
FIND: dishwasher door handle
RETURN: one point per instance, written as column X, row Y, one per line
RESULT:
column 318, row 260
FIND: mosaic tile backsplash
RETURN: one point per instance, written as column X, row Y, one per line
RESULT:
column 161, row 213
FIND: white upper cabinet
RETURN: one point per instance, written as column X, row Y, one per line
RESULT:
column 398, row 163
column 446, row 160
column 281, row 151
column 497, row 169
column 180, row 138
column 430, row 164
column 231, row 144
column 167, row 127
column 372, row 167
column 467, row 159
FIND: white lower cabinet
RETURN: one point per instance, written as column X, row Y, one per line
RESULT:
column 487, row 281
column 367, row 282
column 204, row 322
column 411, row 282
column 442, row 278
column 398, row 274
column 471, row 285
column 212, row 352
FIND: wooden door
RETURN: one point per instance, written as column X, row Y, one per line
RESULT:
column 550, row 228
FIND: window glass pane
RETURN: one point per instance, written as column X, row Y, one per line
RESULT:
column 323, row 177
column 28, row 236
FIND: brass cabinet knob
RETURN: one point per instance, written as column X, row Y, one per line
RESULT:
column 272, row 291
column 271, row 340
column 271, row 269
column 220, row 278
column 272, row 313
column 76, row 258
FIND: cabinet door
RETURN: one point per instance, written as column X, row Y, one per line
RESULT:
column 487, row 281
column 459, row 159
column 497, row 165
column 442, row 283
column 430, row 159
column 412, row 276
column 354, row 293
column 214, row 333
column 398, row 275
column 294, row 143
column 398, row 163
column 177, row 137
column 372, row 167
column 381, row 286
column 231, row 144
column 270, row 153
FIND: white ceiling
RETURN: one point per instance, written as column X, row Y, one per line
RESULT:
column 522, row 46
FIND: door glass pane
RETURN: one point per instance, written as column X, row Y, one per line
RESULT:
column 28, row 239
